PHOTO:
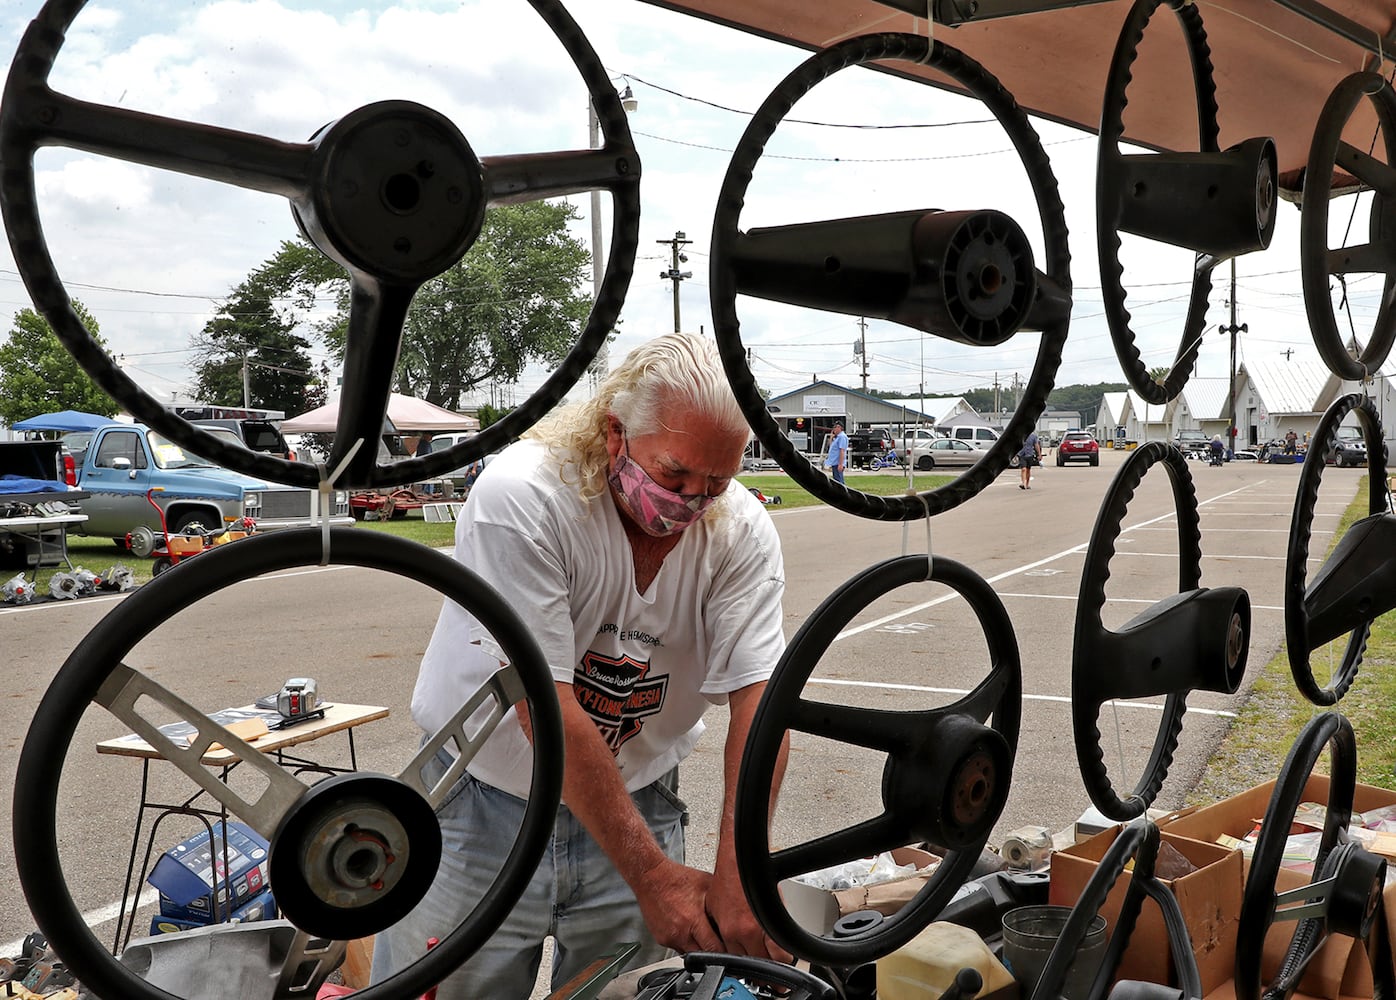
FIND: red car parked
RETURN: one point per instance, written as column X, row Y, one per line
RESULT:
column 1078, row 446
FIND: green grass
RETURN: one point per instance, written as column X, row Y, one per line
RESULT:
column 791, row 495
column 1268, row 723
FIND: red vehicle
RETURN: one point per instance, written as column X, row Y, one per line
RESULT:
column 170, row 549
column 1078, row 446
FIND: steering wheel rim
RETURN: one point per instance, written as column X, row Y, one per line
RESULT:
column 92, row 669
column 1138, row 840
column 723, row 283
column 1297, row 636
column 1259, row 902
column 1112, row 193
column 1172, row 653
column 908, row 738
column 32, row 115
column 1316, row 261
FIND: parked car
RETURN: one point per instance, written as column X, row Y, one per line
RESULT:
column 948, row 452
column 1078, row 446
column 982, row 438
column 1349, row 451
column 1193, row 445
column 257, row 434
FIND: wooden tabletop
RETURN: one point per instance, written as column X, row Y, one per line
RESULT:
column 338, row 718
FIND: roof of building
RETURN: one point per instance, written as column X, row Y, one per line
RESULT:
column 1148, row 412
column 1206, row 398
column 1292, row 385
column 1114, row 402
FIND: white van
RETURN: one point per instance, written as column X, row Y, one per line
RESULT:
column 980, row 437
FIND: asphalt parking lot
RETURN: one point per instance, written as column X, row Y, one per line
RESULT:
column 361, row 634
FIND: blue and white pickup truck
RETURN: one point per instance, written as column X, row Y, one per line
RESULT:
column 124, row 461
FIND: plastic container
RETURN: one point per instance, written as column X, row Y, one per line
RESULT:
column 1030, row 933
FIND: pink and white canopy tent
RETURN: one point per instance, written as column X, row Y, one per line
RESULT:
column 409, row 415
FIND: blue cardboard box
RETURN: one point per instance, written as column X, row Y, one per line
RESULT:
column 191, row 875
column 261, row 907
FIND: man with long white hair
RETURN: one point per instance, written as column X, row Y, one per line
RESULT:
column 653, row 583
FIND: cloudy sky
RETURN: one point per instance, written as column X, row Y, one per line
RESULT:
column 152, row 253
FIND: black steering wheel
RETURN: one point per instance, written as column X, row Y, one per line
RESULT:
column 1345, row 895
column 1220, row 204
column 392, row 192
column 945, row 780
column 1195, row 640
column 350, row 855
column 1353, row 587
column 1328, row 153
column 1139, row 840
column 966, row 276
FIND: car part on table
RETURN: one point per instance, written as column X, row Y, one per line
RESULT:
column 1318, row 263
column 269, row 960
column 966, row 276
column 1345, row 894
column 350, row 855
column 1357, row 582
column 945, row 779
column 1218, row 203
column 1196, row 640
column 704, row 974
column 1140, row 841
column 430, row 192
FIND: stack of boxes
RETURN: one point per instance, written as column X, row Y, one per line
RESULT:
column 200, row 885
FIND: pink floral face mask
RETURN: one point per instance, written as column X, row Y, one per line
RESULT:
column 656, row 510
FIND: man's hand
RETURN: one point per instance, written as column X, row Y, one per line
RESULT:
column 673, row 900
column 740, row 930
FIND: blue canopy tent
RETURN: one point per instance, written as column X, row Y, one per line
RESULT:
column 64, row 420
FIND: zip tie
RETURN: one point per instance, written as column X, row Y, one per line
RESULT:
column 930, row 557
column 326, row 490
column 930, row 33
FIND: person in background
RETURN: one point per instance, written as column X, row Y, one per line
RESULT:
column 653, row 582
column 837, row 459
column 1291, row 442
column 1028, row 456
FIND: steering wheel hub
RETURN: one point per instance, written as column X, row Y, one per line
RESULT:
column 398, row 192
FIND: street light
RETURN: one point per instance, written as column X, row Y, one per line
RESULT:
column 628, row 101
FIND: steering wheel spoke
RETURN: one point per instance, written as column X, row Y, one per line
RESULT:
column 123, row 693
column 534, row 176
column 1330, row 153
column 945, row 776
column 964, row 275
column 308, row 961
column 883, row 833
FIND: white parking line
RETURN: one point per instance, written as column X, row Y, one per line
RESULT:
column 1122, row 600
column 1174, row 555
column 1060, row 699
column 92, row 918
column 1238, row 531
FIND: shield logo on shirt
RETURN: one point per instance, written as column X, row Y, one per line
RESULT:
column 615, row 692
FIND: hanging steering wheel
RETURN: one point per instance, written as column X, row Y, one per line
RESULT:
column 392, row 192
column 1349, row 591
column 945, row 780
column 1317, row 262
column 965, row 276
column 1345, row 896
column 1218, row 203
column 350, row 855
column 1139, row 840
column 1195, row 640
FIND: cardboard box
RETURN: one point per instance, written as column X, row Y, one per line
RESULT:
column 1210, row 899
column 262, row 907
column 816, row 910
column 190, row 875
column 1340, row 969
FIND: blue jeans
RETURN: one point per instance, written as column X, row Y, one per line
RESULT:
column 836, row 473
column 576, row 895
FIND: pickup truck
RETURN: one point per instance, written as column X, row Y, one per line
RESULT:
column 124, row 461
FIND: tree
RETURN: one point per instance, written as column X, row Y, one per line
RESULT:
column 38, row 375
column 515, row 298
column 249, row 353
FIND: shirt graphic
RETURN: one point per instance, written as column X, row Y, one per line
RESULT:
column 617, row 696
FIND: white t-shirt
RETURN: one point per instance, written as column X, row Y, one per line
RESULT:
column 645, row 667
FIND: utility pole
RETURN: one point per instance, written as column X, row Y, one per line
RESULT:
column 862, row 348
column 674, row 274
column 1233, row 329
column 998, row 410
column 246, row 382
